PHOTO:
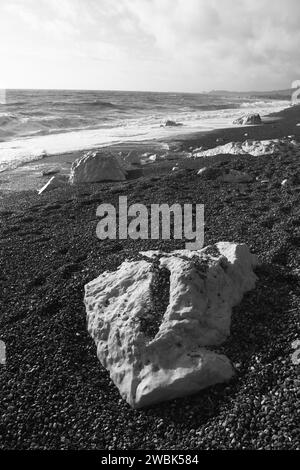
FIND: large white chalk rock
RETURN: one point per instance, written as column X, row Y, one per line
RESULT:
column 253, row 147
column 96, row 166
column 151, row 356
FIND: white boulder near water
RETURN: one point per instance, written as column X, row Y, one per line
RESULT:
column 248, row 120
column 256, row 148
column 96, row 166
column 174, row 359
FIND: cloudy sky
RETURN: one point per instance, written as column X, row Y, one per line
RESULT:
column 160, row 45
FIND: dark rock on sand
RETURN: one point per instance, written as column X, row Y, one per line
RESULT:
column 170, row 123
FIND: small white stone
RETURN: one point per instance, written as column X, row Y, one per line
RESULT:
column 202, row 171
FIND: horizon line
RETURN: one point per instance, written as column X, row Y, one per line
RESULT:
column 147, row 91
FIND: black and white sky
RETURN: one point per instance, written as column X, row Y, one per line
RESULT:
column 159, row 45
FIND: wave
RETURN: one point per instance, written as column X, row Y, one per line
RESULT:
column 8, row 118
column 104, row 104
column 215, row 107
column 20, row 160
column 23, row 125
column 13, row 103
column 75, row 121
column 263, row 104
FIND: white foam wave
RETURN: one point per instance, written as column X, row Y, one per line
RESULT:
column 22, row 150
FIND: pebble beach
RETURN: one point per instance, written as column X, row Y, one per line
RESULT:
column 54, row 393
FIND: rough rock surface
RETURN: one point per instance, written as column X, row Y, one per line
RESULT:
column 154, row 355
column 248, row 120
column 254, row 147
column 96, row 166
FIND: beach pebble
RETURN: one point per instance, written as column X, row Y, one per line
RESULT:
column 202, row 171
column 234, row 176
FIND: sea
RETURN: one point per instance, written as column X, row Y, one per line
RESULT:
column 37, row 123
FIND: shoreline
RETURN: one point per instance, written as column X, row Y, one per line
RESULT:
column 32, row 147
column 28, row 176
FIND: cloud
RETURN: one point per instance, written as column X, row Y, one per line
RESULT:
column 163, row 44
column 236, row 40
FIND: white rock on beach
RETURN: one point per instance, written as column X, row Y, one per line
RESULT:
column 97, row 166
column 249, row 119
column 175, row 360
column 253, row 147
